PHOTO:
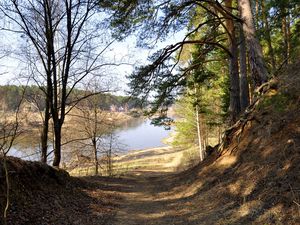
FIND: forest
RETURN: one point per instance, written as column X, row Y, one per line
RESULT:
column 222, row 75
column 11, row 95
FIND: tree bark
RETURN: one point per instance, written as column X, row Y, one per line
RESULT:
column 49, row 92
column 44, row 136
column 259, row 72
column 57, row 145
column 235, row 106
column 244, row 85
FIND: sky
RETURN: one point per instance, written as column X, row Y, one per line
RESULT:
column 125, row 51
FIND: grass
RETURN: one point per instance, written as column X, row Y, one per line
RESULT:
column 166, row 159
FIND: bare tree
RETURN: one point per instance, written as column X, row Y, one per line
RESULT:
column 67, row 41
column 92, row 123
column 95, row 125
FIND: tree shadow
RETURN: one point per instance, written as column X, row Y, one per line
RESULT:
column 255, row 183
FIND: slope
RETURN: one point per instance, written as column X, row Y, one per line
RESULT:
column 253, row 179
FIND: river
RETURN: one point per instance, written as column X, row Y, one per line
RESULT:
column 135, row 134
column 141, row 135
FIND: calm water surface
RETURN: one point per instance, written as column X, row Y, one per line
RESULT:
column 134, row 135
column 142, row 135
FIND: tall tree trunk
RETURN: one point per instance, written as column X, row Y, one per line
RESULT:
column 265, row 15
column 285, row 36
column 235, row 106
column 44, row 136
column 199, row 135
column 49, row 93
column 95, row 133
column 244, row 86
column 286, row 32
column 251, row 84
column 96, row 162
column 259, row 72
column 57, row 144
column 109, row 156
column 288, row 27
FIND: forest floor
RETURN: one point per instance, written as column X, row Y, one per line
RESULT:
column 253, row 179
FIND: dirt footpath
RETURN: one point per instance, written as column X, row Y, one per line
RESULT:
column 142, row 203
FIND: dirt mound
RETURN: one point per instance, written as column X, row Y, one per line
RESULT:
column 43, row 195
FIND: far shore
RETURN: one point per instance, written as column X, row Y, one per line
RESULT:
column 30, row 124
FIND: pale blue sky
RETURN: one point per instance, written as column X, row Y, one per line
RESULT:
column 125, row 51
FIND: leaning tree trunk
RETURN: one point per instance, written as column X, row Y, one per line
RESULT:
column 259, row 72
column 244, row 85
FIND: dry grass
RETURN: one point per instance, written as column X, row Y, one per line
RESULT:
column 163, row 159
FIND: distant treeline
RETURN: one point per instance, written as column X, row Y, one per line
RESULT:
column 11, row 95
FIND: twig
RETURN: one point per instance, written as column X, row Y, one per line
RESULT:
column 296, row 203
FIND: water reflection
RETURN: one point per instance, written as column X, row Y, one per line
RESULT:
column 134, row 134
column 140, row 134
